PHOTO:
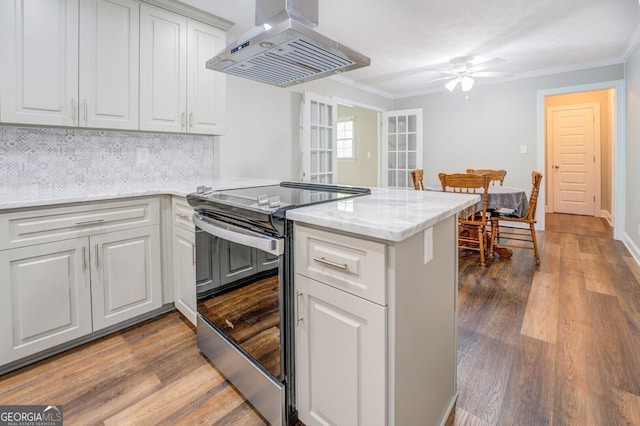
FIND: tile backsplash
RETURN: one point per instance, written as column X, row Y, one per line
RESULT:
column 52, row 158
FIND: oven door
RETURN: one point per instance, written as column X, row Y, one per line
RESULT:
column 240, row 302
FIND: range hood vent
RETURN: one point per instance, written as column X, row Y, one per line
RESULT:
column 288, row 53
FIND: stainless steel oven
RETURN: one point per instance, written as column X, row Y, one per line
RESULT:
column 244, row 270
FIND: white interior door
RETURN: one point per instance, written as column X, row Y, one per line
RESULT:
column 573, row 133
column 319, row 153
column 401, row 147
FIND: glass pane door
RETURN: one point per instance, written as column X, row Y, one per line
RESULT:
column 402, row 147
column 319, row 148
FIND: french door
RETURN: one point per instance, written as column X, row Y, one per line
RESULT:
column 401, row 147
column 319, row 153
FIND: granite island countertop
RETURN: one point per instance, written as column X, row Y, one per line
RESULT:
column 24, row 197
column 388, row 214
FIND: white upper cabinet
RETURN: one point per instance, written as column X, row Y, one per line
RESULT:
column 205, row 88
column 39, row 66
column 177, row 92
column 114, row 64
column 109, row 49
column 163, row 70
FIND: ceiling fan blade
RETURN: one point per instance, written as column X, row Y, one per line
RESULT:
column 449, row 77
column 490, row 74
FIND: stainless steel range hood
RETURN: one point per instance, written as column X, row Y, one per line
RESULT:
column 288, row 53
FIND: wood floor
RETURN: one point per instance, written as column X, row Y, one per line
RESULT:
column 557, row 344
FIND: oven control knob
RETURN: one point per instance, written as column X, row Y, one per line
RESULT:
column 274, row 201
column 263, row 200
column 203, row 189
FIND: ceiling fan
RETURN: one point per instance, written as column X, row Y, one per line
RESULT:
column 462, row 70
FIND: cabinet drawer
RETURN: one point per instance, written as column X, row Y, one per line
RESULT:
column 182, row 214
column 354, row 265
column 40, row 225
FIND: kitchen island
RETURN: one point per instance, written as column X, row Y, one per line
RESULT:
column 376, row 285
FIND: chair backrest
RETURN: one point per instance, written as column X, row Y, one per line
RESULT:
column 536, row 178
column 416, row 178
column 496, row 175
column 468, row 183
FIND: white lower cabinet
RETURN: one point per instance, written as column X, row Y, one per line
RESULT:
column 125, row 275
column 375, row 327
column 45, row 297
column 184, row 272
column 341, row 357
column 69, row 271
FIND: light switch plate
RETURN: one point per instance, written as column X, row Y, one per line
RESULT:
column 428, row 245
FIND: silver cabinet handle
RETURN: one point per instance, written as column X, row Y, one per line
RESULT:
column 298, row 309
column 182, row 116
column 183, row 216
column 190, row 120
column 90, row 222
column 85, row 112
column 97, row 259
column 73, row 110
column 193, row 253
column 341, row 266
column 84, row 257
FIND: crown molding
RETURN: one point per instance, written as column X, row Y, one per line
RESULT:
column 192, row 12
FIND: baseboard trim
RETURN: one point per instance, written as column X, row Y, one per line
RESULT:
column 607, row 216
column 632, row 247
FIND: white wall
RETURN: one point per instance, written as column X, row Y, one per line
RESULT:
column 262, row 139
column 632, row 228
column 487, row 129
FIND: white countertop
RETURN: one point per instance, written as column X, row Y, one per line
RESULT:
column 388, row 214
column 21, row 197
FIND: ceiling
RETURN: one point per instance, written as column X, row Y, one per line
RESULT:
column 405, row 39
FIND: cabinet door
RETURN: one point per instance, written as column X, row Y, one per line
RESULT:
column 109, row 46
column 125, row 275
column 45, row 297
column 184, row 272
column 163, row 70
column 236, row 261
column 340, row 357
column 205, row 88
column 39, row 66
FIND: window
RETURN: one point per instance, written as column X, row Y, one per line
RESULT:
column 346, row 139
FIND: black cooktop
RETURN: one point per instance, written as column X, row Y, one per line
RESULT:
column 261, row 207
column 274, row 199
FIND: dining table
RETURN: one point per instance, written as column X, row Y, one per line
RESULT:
column 501, row 197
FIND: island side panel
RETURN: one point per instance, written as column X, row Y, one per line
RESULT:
column 422, row 327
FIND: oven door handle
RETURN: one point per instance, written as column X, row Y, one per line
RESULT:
column 238, row 235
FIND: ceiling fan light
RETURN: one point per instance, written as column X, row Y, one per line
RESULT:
column 466, row 83
column 451, row 84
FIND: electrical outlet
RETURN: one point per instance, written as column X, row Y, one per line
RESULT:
column 523, row 149
column 142, row 155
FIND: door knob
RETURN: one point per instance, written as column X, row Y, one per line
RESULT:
column 557, row 167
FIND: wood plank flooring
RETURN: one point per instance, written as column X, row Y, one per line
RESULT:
column 550, row 345
column 555, row 344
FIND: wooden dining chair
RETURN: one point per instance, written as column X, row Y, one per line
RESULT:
column 514, row 229
column 472, row 221
column 496, row 175
column 416, row 178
